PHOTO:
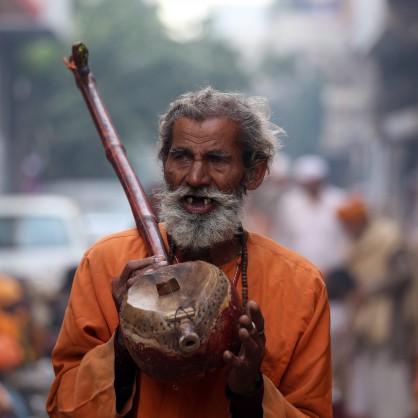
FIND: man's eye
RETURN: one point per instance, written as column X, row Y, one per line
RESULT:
column 180, row 157
column 217, row 159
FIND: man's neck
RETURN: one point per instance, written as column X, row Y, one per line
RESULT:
column 218, row 255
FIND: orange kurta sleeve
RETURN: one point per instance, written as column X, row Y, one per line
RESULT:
column 307, row 381
column 83, row 357
column 294, row 302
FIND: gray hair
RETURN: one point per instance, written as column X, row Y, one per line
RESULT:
column 259, row 136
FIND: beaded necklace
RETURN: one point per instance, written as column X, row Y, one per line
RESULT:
column 242, row 263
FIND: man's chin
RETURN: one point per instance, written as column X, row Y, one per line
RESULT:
column 197, row 237
column 194, row 250
column 195, row 243
column 199, row 232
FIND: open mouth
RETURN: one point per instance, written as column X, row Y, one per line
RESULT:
column 198, row 204
column 198, row 200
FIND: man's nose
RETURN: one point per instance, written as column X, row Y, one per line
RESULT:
column 198, row 174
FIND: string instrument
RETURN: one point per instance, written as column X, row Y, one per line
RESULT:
column 178, row 320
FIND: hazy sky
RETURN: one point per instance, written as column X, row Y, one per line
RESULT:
column 181, row 15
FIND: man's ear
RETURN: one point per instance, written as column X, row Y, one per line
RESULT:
column 256, row 174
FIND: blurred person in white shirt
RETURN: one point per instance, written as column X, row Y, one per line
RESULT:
column 307, row 221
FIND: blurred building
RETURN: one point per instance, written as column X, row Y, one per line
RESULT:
column 368, row 52
column 395, row 102
column 318, row 34
column 21, row 20
column 315, row 34
column 371, row 118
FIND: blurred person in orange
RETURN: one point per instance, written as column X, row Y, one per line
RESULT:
column 411, row 218
column 11, row 295
column 12, row 351
column 382, row 337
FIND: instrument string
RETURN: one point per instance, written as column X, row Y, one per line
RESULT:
column 180, row 308
column 244, row 267
column 242, row 263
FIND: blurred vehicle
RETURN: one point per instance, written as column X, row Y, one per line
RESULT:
column 104, row 206
column 41, row 240
column 99, row 224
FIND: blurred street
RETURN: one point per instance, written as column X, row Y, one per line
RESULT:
column 342, row 80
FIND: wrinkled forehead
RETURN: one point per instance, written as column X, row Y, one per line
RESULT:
column 210, row 132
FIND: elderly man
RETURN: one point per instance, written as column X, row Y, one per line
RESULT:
column 214, row 147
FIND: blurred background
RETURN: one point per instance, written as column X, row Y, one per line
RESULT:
column 341, row 77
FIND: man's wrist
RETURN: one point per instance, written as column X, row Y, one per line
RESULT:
column 119, row 344
column 125, row 371
column 247, row 405
column 123, row 359
column 256, row 387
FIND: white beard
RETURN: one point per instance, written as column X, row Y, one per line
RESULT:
column 195, row 232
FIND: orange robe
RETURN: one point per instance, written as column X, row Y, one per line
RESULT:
column 296, row 368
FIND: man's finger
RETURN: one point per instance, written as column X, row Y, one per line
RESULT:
column 257, row 319
column 133, row 265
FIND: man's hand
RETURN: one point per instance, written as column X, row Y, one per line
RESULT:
column 122, row 283
column 125, row 368
column 245, row 367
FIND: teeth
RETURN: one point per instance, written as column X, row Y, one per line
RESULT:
column 206, row 200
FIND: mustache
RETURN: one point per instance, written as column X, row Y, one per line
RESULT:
column 177, row 195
